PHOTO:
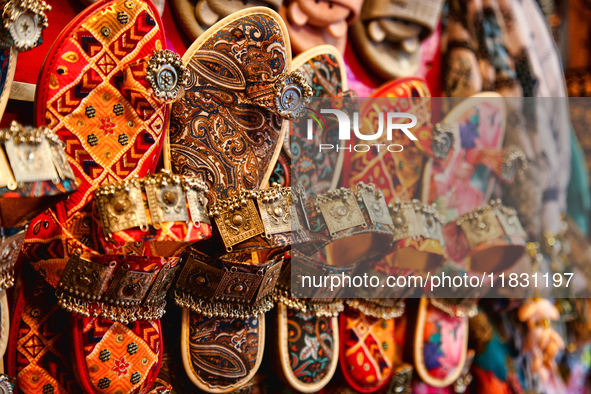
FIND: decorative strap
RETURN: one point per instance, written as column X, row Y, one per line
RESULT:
column 276, row 212
column 10, row 246
column 344, row 213
column 226, row 288
column 416, row 220
column 168, row 198
column 23, row 22
column 488, row 222
column 323, row 302
column 109, row 287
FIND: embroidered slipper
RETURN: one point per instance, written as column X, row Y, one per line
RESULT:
column 459, row 185
column 103, row 90
column 312, row 23
column 387, row 35
column 368, row 324
column 196, row 16
column 309, row 355
column 227, row 130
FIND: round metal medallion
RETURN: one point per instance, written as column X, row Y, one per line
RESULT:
column 166, row 74
column 24, row 21
column 292, row 94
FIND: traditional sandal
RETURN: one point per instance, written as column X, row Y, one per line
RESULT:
column 368, row 351
column 479, row 237
column 309, row 355
column 228, row 130
column 387, row 35
column 103, row 89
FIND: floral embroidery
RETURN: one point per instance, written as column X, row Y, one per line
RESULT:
column 121, row 367
column 311, row 348
column 107, row 126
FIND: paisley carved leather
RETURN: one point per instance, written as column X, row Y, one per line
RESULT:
column 216, row 132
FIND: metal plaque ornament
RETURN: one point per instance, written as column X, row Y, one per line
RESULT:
column 197, row 207
column 481, row 226
column 122, row 208
column 276, row 215
column 340, row 211
column 376, row 205
column 167, row 204
column 239, row 224
column 31, row 162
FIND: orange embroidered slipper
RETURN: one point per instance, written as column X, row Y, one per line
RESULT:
column 103, row 90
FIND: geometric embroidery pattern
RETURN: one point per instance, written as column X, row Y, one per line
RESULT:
column 130, row 359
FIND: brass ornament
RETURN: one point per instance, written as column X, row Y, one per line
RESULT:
column 415, row 220
column 237, row 224
column 239, row 218
column 340, row 210
column 167, row 74
column 276, row 210
column 32, row 155
column 488, row 222
column 375, row 203
column 24, row 21
column 292, row 93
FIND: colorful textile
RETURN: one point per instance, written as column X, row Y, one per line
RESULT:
column 441, row 344
column 367, row 351
column 113, row 357
column 311, row 345
column 39, row 353
column 397, row 175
